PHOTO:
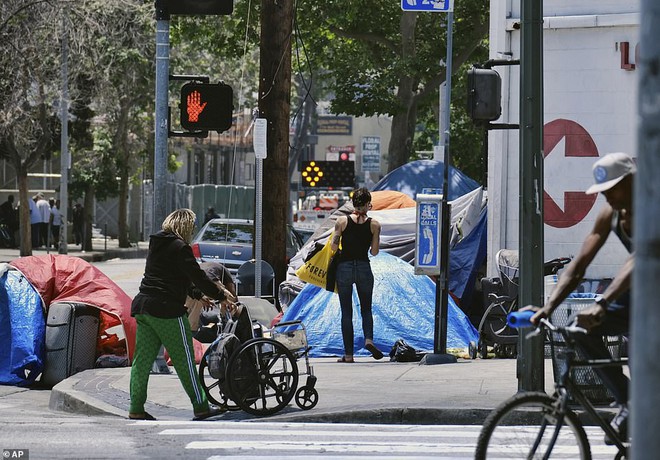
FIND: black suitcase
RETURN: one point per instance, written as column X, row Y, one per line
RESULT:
column 71, row 334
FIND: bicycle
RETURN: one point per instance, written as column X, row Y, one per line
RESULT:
column 537, row 425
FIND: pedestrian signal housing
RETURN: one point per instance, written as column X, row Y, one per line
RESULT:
column 206, row 107
column 200, row 7
column 484, row 94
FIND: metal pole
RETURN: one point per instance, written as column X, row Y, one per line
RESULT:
column 646, row 317
column 530, row 356
column 161, row 128
column 446, row 215
column 440, row 355
column 65, row 161
column 258, row 217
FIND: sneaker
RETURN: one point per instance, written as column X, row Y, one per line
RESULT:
column 212, row 411
column 619, row 424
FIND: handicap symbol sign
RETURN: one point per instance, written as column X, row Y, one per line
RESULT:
column 440, row 6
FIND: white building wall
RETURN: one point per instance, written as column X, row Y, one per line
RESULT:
column 588, row 97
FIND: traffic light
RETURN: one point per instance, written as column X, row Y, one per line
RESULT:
column 484, row 94
column 343, row 156
column 200, row 7
column 206, row 107
column 328, row 174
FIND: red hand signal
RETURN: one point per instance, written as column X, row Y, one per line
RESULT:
column 194, row 106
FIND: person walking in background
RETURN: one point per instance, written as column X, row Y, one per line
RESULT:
column 35, row 222
column 78, row 221
column 210, row 214
column 9, row 217
column 610, row 313
column 160, row 313
column 358, row 234
column 55, row 223
column 43, row 209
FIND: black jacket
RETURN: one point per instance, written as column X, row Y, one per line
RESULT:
column 171, row 269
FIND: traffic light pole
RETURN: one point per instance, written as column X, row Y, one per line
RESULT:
column 162, row 117
column 530, row 357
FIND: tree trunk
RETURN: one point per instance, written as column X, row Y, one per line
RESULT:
column 274, row 105
column 401, row 140
column 123, row 160
column 88, row 217
column 25, row 229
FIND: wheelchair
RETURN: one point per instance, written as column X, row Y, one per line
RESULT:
column 256, row 370
column 502, row 298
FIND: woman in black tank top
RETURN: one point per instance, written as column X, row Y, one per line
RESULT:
column 358, row 234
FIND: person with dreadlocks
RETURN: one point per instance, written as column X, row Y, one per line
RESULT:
column 160, row 313
column 358, row 235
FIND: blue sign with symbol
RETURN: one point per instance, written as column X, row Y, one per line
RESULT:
column 439, row 6
column 427, row 253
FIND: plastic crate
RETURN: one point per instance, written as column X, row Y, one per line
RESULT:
column 585, row 379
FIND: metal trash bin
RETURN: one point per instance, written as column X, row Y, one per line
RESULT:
column 586, row 379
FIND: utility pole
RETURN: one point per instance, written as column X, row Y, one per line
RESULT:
column 645, row 315
column 530, row 356
column 274, row 106
column 161, row 128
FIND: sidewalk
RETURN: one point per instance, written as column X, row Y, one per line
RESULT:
column 104, row 249
column 368, row 391
column 365, row 392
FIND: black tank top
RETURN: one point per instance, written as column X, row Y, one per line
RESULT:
column 355, row 241
column 618, row 230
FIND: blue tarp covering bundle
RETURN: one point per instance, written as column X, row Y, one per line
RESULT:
column 22, row 331
column 403, row 308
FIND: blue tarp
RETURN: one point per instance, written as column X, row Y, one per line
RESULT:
column 466, row 258
column 412, row 177
column 22, row 331
column 403, row 308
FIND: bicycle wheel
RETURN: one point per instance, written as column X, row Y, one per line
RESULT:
column 529, row 426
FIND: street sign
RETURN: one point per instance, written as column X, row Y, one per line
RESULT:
column 427, row 239
column 438, row 6
column 259, row 138
column 371, row 154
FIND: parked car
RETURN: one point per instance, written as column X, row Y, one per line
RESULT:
column 229, row 242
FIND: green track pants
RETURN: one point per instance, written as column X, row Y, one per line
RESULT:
column 175, row 335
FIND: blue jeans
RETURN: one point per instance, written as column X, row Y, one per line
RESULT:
column 356, row 272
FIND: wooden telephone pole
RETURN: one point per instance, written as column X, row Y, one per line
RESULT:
column 274, row 106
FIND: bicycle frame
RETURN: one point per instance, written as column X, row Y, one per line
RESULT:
column 565, row 387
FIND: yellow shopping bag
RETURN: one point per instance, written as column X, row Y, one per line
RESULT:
column 315, row 268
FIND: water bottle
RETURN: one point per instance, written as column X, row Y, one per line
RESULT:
column 518, row 319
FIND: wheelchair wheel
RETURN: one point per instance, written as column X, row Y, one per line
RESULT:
column 212, row 387
column 262, row 376
column 307, row 398
column 482, row 348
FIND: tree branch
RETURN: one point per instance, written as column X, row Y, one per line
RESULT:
column 366, row 37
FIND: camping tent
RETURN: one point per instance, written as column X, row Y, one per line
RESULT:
column 403, row 308
column 22, row 329
column 62, row 278
column 467, row 241
column 412, row 177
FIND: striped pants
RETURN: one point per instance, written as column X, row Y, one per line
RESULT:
column 175, row 335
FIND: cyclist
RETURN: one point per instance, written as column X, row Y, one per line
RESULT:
column 609, row 315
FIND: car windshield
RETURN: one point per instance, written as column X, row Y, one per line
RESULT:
column 229, row 233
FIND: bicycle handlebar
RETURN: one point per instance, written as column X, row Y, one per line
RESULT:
column 520, row 319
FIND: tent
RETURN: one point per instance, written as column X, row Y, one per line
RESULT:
column 22, row 329
column 413, row 177
column 62, row 278
column 403, row 308
column 467, row 240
